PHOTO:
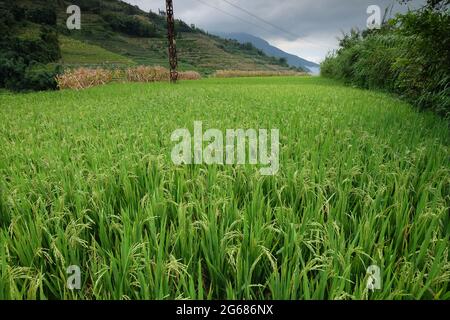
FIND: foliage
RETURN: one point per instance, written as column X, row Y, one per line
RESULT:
column 409, row 56
column 88, row 5
column 83, row 78
column 42, row 15
column 189, row 75
column 40, row 77
column 261, row 73
column 147, row 74
column 424, row 65
column 7, row 20
column 27, row 63
column 131, row 25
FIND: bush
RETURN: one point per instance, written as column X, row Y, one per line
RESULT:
column 131, row 25
column 153, row 74
column 17, row 76
column 181, row 26
column 87, row 5
column 28, row 64
column 44, row 50
column 42, row 15
column 52, row 49
column 6, row 21
column 83, row 78
column 373, row 67
column 409, row 56
column 424, row 65
column 11, row 71
column 189, row 75
column 147, row 74
column 18, row 12
column 41, row 77
column 242, row 73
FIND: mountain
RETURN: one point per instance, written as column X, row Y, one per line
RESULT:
column 272, row 51
column 116, row 33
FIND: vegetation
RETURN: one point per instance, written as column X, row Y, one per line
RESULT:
column 86, row 179
column 409, row 56
column 131, row 25
column 147, row 74
column 28, row 63
column 113, row 34
column 243, row 73
column 84, row 78
column 40, row 15
column 76, row 53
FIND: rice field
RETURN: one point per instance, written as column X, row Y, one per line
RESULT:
column 86, row 179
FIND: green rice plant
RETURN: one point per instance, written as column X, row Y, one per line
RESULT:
column 86, row 179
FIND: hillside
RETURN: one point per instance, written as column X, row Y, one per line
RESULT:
column 116, row 33
column 272, row 51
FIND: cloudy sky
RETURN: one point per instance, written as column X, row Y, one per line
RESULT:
column 307, row 28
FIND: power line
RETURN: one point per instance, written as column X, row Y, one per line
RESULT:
column 261, row 19
column 297, row 36
column 232, row 15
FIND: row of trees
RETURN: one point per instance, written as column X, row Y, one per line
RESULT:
column 409, row 55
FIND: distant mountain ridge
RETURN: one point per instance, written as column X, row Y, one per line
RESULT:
column 271, row 50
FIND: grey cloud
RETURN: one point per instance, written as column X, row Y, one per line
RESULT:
column 309, row 19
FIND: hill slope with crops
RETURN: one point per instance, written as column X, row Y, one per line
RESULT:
column 140, row 38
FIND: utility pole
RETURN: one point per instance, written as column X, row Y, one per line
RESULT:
column 173, row 62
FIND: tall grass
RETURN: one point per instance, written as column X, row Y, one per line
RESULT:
column 86, row 179
column 84, row 78
column 147, row 74
column 255, row 73
column 189, row 75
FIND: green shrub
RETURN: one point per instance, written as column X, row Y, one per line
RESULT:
column 42, row 15
column 26, row 64
column 45, row 49
column 11, row 70
column 17, row 76
column 87, row 5
column 131, row 25
column 372, row 67
column 424, row 64
column 181, row 26
column 41, row 77
column 18, row 12
column 409, row 56
column 6, row 21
